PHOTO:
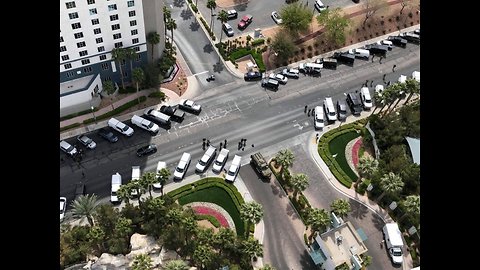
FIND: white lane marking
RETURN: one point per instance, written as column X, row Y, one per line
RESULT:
column 206, row 71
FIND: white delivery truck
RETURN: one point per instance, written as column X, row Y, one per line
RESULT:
column 145, row 124
column 116, row 183
column 234, row 168
column 394, row 242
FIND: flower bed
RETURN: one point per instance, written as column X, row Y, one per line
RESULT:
column 355, row 149
column 202, row 210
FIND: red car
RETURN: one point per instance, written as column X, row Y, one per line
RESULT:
column 245, row 21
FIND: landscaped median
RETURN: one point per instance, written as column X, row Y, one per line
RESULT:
column 331, row 149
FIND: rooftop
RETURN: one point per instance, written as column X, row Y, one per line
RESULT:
column 414, row 145
column 76, row 85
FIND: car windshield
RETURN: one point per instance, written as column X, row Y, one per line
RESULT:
column 150, row 125
column 218, row 162
column 86, row 140
column 114, row 193
column 332, row 113
column 180, row 170
column 70, row 148
column 201, row 162
column 397, row 253
column 231, row 173
column 189, row 103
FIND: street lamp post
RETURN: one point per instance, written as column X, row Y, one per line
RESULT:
column 93, row 112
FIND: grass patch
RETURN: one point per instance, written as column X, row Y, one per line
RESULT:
column 69, row 126
column 212, row 220
column 337, row 146
column 117, row 110
column 218, row 196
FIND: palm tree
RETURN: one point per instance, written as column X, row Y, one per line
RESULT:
column 390, row 183
column 251, row 248
column 384, row 99
column 119, row 55
column 366, row 167
column 205, row 237
column 142, row 262
column 171, row 25
column 211, row 4
column 123, row 227
column 203, row 255
column 176, row 265
column 412, row 206
column 401, row 94
column 318, row 219
column 191, row 227
column 135, row 185
column 393, row 93
column 174, row 216
column 252, row 213
column 130, row 54
column 223, row 18
column 412, row 87
column 124, row 193
column 341, row 207
column 153, row 38
column 224, row 240
column 299, row 183
column 147, row 180
column 167, row 14
column 285, row 158
column 267, row 267
column 110, row 89
column 162, row 177
column 84, row 206
column 379, row 100
column 138, row 77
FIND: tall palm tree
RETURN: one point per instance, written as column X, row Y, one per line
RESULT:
column 153, row 38
column 224, row 240
column 285, row 158
column 318, row 219
column 222, row 16
column 191, row 227
column 167, row 14
column 176, row 265
column 142, row 262
column 110, row 89
column 147, row 180
column 299, row 183
column 366, row 167
column 130, row 54
column 203, row 255
column 135, row 185
column 252, row 213
column 251, row 248
column 379, row 100
column 124, row 193
column 390, row 183
column 412, row 206
column 211, row 4
column 413, row 87
column 84, row 206
column 138, row 77
column 162, row 177
column 340, row 207
column 171, row 25
column 393, row 93
column 401, row 94
column 119, row 55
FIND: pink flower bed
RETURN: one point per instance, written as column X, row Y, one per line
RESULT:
column 355, row 149
column 202, row 210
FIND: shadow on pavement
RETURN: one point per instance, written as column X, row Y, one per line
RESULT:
column 377, row 222
column 218, row 67
column 186, row 14
column 240, row 7
column 178, row 3
column 291, row 212
column 194, row 26
column 306, row 261
column 359, row 211
column 208, row 48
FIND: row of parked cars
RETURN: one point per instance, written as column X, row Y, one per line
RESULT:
column 151, row 121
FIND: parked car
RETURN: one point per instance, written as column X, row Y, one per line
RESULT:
column 398, row 41
column 120, row 127
column 387, row 43
column 174, row 113
column 245, row 21
column 416, row 76
column 279, row 77
column 190, row 105
column 319, row 121
column 379, row 89
column 158, row 117
column 63, row 207
column 376, row 49
column 345, row 58
column 86, row 141
column 329, row 109
column 145, row 124
column 411, row 37
column 329, row 63
column 227, row 28
column 146, row 150
column 417, row 31
column 206, row 159
column 291, row 72
column 220, row 161
column 360, row 53
column 320, row 6
column 402, row 79
column 354, row 103
column 270, row 83
column 365, row 98
column 68, row 148
column 160, row 165
column 108, row 135
column 341, row 110
column 276, row 17
column 234, row 168
column 232, row 14
column 182, row 166
column 310, row 68
column 252, row 75
column 260, row 165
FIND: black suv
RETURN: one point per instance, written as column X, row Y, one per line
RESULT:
column 345, row 58
column 270, row 83
column 252, row 75
column 108, row 135
column 398, row 41
column 341, row 110
column 147, row 150
column 353, row 101
column 260, row 165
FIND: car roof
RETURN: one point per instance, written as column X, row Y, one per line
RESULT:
column 65, row 144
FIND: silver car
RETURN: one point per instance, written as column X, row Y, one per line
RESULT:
column 87, row 142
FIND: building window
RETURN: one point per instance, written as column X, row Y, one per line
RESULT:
column 83, row 53
column 70, row 4
column 65, row 57
column 130, row 3
column 138, row 57
column 115, row 27
column 87, row 69
column 90, row 2
column 76, row 25
column 69, row 74
column 63, row 48
column 118, row 44
column 101, row 49
column 135, row 40
column 103, row 57
column 134, row 32
column 93, row 11
column 114, row 17
column 105, row 66
column 61, row 39
column 97, row 31
column 85, row 61
column 133, row 23
column 67, row 66
column 81, row 44
column 78, row 35
column 95, row 21
column 112, row 7
column 99, row 40
column 73, row 15
column 137, row 49
column 117, row 36
column 131, row 13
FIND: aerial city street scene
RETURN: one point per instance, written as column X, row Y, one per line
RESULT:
column 239, row 134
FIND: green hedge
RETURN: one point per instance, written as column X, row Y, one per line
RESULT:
column 117, row 110
column 158, row 94
column 69, row 126
column 210, row 32
column 194, row 8
column 211, row 219
column 70, row 116
column 258, row 42
column 246, row 51
column 128, row 89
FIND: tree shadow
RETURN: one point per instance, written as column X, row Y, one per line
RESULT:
column 194, row 26
column 186, row 14
column 239, row 6
column 291, row 212
column 306, row 261
column 377, row 222
column 208, row 48
column 179, row 3
column 218, row 67
column 359, row 211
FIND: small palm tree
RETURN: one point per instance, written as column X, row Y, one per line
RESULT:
column 138, row 77
column 167, row 14
column 176, row 265
column 110, row 89
column 162, row 177
column 171, row 25
column 123, row 227
column 147, row 180
column 318, row 219
column 252, row 213
column 211, row 4
column 412, row 87
column 379, row 100
column 299, row 183
column 223, row 18
column 96, row 237
column 124, row 193
column 412, row 206
column 84, row 206
column 366, row 167
column 390, row 183
column 393, row 93
column 251, row 248
column 224, row 240
column 285, row 158
column 142, row 262
column 153, row 38
column 341, row 207
column 119, row 55
column 401, row 94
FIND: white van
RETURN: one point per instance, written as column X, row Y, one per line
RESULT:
column 120, row 127
column 319, row 124
column 220, row 161
column 161, row 165
column 135, row 176
column 234, row 168
column 182, row 166
column 366, row 99
column 206, row 159
column 319, row 6
column 330, row 109
column 116, row 183
column 394, row 242
column 360, row 53
column 158, row 117
column 145, row 124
